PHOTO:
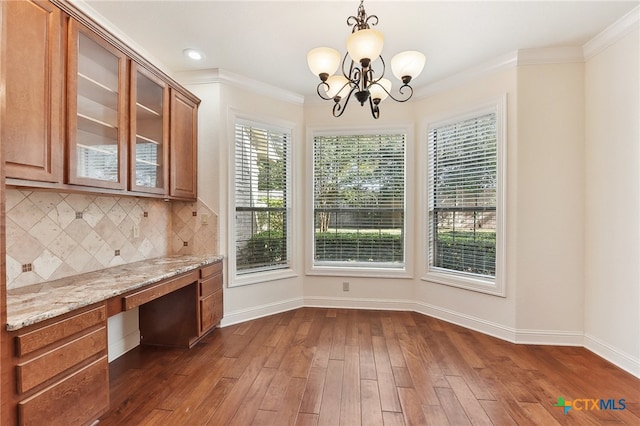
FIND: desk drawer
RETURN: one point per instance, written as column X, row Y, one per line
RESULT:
column 78, row 399
column 38, row 339
column 156, row 291
column 48, row 365
column 210, row 285
column 215, row 268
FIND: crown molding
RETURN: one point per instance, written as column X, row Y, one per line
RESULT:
column 612, row 33
column 217, row 75
column 509, row 60
column 551, row 55
column 521, row 57
column 84, row 7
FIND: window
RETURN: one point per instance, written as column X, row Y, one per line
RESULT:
column 359, row 200
column 261, row 198
column 464, row 201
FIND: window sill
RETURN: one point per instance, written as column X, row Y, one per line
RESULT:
column 262, row 277
column 478, row 284
column 359, row 271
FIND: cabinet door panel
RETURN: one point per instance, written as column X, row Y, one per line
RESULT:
column 149, row 132
column 210, row 311
column 33, row 82
column 97, row 114
column 184, row 125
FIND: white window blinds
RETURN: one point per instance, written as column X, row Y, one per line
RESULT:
column 359, row 200
column 261, row 170
column 462, row 184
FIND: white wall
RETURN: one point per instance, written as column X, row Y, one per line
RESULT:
column 550, row 199
column 612, row 205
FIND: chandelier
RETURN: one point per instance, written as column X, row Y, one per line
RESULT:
column 359, row 78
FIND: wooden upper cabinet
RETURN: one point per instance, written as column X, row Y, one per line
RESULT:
column 184, row 146
column 149, row 132
column 96, row 110
column 86, row 113
column 32, row 131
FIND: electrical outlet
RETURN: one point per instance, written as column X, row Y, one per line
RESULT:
column 204, row 219
column 345, row 286
column 136, row 230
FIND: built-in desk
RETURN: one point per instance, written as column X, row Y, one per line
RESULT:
column 58, row 371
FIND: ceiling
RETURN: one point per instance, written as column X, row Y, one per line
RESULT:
column 268, row 40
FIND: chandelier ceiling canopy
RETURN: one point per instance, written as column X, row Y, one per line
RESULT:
column 358, row 77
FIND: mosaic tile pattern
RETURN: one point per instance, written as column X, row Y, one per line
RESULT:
column 54, row 235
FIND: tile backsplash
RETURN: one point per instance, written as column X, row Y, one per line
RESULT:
column 51, row 235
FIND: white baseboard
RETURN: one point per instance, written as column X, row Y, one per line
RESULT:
column 260, row 311
column 549, row 337
column 358, row 303
column 615, row 356
column 477, row 324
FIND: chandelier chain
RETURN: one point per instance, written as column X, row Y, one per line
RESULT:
column 361, row 20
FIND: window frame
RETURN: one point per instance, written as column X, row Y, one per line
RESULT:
column 403, row 270
column 260, row 275
column 494, row 286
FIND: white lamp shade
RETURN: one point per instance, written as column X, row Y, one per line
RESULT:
column 407, row 64
column 377, row 92
column 338, row 86
column 365, row 44
column 323, row 60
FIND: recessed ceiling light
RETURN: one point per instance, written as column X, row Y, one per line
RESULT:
column 193, row 54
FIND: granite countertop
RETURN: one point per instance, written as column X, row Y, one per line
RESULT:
column 32, row 304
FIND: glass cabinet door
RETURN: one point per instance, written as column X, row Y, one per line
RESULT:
column 97, row 114
column 149, row 131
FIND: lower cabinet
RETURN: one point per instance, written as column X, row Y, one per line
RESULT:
column 59, row 368
column 61, row 372
column 210, row 297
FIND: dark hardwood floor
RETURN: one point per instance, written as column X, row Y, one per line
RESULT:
column 315, row 366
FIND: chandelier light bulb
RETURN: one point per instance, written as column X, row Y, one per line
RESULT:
column 377, row 92
column 407, row 65
column 365, row 44
column 338, row 86
column 323, row 61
